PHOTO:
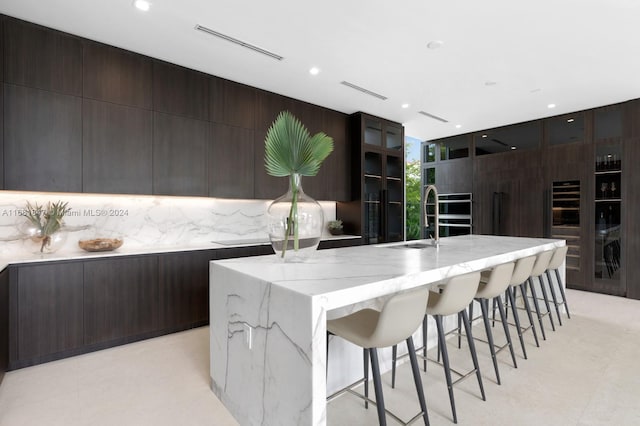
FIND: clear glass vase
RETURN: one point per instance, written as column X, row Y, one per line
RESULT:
column 43, row 243
column 294, row 223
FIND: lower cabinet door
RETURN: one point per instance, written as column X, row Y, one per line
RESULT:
column 184, row 289
column 49, row 309
column 120, row 298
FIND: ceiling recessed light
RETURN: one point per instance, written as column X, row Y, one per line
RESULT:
column 435, row 44
column 551, row 106
column 513, row 147
column 143, row 5
column 570, row 120
column 458, row 126
column 484, row 136
column 314, row 71
column 405, row 106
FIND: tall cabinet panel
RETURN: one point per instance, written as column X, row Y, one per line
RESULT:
column 631, row 197
column 377, row 212
column 180, row 91
column 40, row 57
column 115, row 75
column 42, row 140
column 116, row 149
column 179, row 155
column 231, row 162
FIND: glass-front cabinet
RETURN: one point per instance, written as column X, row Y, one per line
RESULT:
column 608, row 208
column 377, row 211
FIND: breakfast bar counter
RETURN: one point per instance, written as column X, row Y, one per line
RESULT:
column 268, row 318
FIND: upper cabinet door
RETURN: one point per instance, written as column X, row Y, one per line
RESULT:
column 232, row 103
column 115, row 75
column 180, row 91
column 179, row 155
column 42, row 58
column 116, row 149
column 231, row 168
column 42, row 140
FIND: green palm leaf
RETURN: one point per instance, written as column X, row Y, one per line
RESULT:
column 289, row 148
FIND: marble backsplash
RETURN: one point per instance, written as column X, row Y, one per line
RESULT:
column 142, row 221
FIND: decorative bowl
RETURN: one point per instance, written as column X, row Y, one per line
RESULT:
column 100, row 244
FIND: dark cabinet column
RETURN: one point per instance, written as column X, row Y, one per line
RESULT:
column 42, row 140
column 115, row 75
column 231, row 162
column 4, row 322
column 631, row 224
column 232, row 103
column 50, row 310
column 184, row 289
column 116, row 149
column 180, row 91
column 120, row 298
column 179, row 155
column 40, row 57
column 266, row 186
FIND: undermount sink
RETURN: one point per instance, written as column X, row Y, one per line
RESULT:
column 413, row 246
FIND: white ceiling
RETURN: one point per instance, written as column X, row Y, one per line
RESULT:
column 577, row 54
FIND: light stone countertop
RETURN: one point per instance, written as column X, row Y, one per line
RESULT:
column 80, row 254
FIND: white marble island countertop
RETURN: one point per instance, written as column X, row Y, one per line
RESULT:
column 268, row 318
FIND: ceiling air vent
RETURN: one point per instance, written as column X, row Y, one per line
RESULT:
column 435, row 117
column 238, row 42
column 363, row 90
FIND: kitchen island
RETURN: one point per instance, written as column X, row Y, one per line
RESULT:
column 268, row 318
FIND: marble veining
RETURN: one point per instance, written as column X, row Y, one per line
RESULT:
column 281, row 379
column 142, row 221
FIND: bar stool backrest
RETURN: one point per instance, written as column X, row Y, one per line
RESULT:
column 558, row 257
column 522, row 270
column 542, row 263
column 456, row 294
column 400, row 317
column 499, row 280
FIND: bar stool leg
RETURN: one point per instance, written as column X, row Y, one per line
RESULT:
column 425, row 322
column 445, row 361
column 546, row 301
column 527, row 307
column 394, row 357
column 505, row 326
column 487, row 327
column 553, row 296
column 472, row 349
column 377, row 385
column 510, row 298
column 416, row 378
column 365, row 356
column 564, row 298
column 535, row 303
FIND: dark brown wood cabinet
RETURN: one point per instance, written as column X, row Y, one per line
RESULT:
column 120, row 298
column 377, row 181
column 184, row 289
column 232, row 103
column 80, row 116
column 631, row 200
column 4, row 322
column 180, row 91
column 115, row 75
column 231, row 162
column 179, row 155
column 42, row 140
column 116, row 149
column 49, row 310
column 39, row 57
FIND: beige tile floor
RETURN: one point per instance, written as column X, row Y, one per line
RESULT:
column 586, row 373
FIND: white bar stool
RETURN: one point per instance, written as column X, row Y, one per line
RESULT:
column 539, row 268
column 399, row 318
column 492, row 284
column 558, row 257
column 453, row 298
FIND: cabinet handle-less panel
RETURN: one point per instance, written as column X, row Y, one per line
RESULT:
column 50, row 311
column 120, row 298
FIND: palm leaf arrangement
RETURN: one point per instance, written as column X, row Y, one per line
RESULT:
column 46, row 221
column 290, row 150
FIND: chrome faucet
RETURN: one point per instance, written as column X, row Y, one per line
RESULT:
column 435, row 237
